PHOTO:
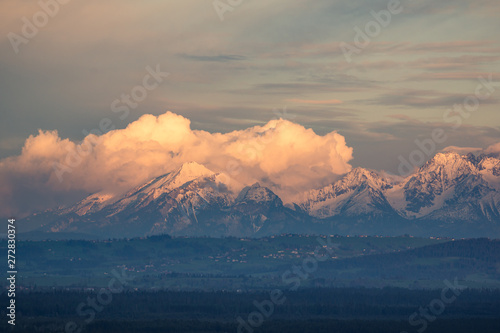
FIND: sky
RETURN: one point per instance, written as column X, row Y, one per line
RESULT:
column 374, row 83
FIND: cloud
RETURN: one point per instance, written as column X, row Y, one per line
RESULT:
column 421, row 98
column 461, row 150
column 464, row 62
column 216, row 58
column 311, row 101
column 329, row 82
column 494, row 149
column 286, row 88
column 378, row 145
column 455, row 76
column 454, row 46
column 452, row 7
column 282, row 155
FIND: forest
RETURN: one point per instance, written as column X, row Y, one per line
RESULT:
column 306, row 310
column 272, row 284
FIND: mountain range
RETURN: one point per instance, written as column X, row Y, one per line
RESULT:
column 451, row 195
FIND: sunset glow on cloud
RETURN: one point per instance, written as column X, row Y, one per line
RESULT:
column 283, row 155
column 236, row 75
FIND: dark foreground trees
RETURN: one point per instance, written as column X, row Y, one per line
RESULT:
column 309, row 310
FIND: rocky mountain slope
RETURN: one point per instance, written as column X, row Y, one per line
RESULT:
column 451, row 195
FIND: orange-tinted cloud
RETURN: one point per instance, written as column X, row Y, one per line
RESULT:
column 493, row 149
column 282, row 155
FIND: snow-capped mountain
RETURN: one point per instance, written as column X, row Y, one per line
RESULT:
column 257, row 198
column 359, row 192
column 450, row 191
column 144, row 194
column 451, row 195
column 435, row 182
column 192, row 200
column 453, row 187
column 192, row 185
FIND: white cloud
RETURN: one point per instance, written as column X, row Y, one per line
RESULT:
column 461, row 150
column 493, row 149
column 282, row 155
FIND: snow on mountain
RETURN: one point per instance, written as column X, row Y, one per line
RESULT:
column 187, row 172
column 257, row 194
column 166, row 204
column 489, row 168
column 359, row 192
column 142, row 194
column 434, row 182
column 451, row 194
column 448, row 187
column 161, row 186
column 90, row 204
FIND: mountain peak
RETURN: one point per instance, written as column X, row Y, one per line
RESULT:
column 189, row 171
column 360, row 173
column 444, row 158
column 449, row 165
column 90, row 204
column 436, row 181
column 256, row 193
column 359, row 176
column 195, row 168
column 451, row 191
